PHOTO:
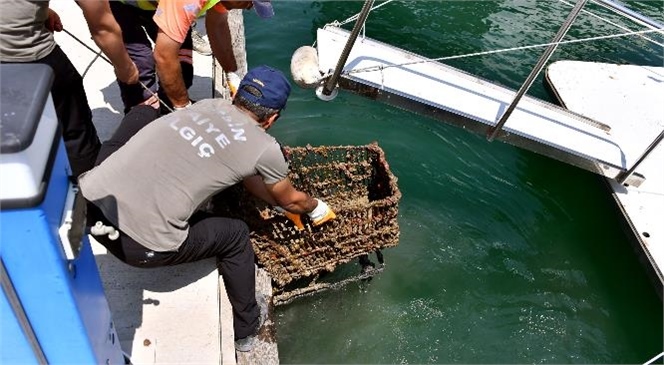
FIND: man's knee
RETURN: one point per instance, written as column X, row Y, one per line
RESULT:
column 245, row 228
column 237, row 236
column 241, row 231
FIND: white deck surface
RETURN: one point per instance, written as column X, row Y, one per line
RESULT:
column 165, row 315
column 449, row 89
column 627, row 98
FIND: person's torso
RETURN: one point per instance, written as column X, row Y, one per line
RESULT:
column 23, row 35
column 152, row 5
column 174, row 17
column 152, row 185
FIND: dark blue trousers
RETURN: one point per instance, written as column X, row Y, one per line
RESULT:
column 137, row 25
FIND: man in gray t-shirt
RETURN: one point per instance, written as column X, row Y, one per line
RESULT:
column 152, row 176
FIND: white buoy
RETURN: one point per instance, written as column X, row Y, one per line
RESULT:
column 304, row 67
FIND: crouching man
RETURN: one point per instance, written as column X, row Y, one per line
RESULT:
column 153, row 175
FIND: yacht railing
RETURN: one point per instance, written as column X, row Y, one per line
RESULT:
column 634, row 16
column 493, row 132
column 330, row 82
column 618, row 8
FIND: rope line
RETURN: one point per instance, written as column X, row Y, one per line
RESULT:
column 103, row 57
column 382, row 67
column 354, row 17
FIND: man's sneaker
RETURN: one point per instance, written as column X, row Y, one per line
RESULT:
column 247, row 343
column 201, row 44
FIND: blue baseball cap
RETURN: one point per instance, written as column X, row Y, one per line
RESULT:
column 273, row 86
column 263, row 8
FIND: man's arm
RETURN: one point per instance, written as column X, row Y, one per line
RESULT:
column 281, row 194
column 290, row 201
column 166, row 55
column 108, row 36
column 216, row 25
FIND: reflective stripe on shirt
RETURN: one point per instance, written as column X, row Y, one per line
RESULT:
column 142, row 4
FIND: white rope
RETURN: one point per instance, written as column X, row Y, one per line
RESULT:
column 354, row 17
column 612, row 23
column 100, row 55
column 381, row 67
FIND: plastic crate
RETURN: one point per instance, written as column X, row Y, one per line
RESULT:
column 355, row 181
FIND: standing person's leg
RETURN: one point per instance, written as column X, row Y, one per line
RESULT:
column 132, row 20
column 73, row 112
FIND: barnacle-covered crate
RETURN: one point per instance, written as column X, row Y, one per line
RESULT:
column 357, row 184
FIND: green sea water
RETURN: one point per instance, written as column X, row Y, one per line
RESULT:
column 505, row 256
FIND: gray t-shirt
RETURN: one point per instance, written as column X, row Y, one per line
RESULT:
column 151, row 186
column 23, row 35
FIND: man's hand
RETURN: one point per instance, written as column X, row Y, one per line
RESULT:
column 321, row 214
column 53, row 22
column 152, row 101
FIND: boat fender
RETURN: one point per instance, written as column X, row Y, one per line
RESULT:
column 304, row 67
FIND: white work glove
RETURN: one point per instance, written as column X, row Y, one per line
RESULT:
column 233, row 81
column 321, row 214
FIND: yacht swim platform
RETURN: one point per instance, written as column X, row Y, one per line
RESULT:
column 628, row 98
column 614, row 114
column 433, row 89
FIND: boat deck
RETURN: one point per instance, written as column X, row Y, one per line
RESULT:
column 434, row 89
column 613, row 114
column 627, row 98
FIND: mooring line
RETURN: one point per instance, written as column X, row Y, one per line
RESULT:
column 103, row 57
